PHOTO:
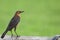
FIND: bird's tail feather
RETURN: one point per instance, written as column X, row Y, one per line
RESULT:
column 4, row 34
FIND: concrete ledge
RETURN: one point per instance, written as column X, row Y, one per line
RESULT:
column 25, row 38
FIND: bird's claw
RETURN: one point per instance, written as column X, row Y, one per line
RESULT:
column 17, row 36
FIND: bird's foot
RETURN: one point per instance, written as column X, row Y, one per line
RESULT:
column 18, row 36
column 11, row 36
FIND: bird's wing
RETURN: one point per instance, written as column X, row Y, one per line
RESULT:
column 14, row 21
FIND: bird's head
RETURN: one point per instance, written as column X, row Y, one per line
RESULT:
column 18, row 12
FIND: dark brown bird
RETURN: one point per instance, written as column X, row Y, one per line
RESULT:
column 13, row 23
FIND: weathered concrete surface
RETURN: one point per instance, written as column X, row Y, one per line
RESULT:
column 26, row 38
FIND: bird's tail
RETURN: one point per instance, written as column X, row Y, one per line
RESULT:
column 4, row 34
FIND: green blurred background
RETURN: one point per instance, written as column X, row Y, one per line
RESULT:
column 41, row 17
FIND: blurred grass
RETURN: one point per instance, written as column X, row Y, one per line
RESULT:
column 41, row 17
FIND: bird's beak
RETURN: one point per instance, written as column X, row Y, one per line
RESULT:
column 22, row 11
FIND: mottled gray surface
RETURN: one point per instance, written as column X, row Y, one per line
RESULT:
column 26, row 38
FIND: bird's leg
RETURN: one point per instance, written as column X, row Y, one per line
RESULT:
column 11, row 34
column 16, row 32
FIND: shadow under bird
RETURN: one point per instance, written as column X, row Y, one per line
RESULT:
column 13, row 24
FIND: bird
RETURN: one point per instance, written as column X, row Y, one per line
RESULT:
column 13, row 24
